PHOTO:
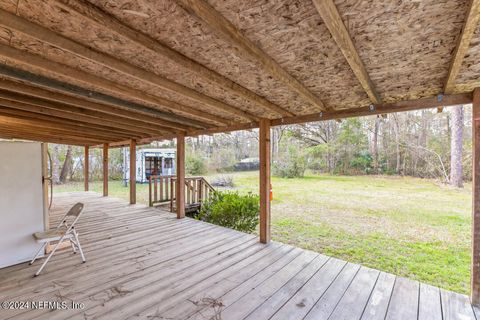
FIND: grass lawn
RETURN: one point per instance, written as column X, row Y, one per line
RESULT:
column 407, row 226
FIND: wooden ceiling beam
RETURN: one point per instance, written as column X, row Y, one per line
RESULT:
column 332, row 19
column 96, row 15
column 38, row 62
column 380, row 109
column 7, row 133
column 14, row 22
column 222, row 26
column 38, row 134
column 463, row 44
column 97, row 97
column 64, row 111
column 53, row 127
column 65, row 123
column 24, row 89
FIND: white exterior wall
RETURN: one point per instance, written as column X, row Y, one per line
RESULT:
column 21, row 200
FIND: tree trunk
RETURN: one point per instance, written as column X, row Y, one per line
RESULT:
column 396, row 130
column 56, row 165
column 456, row 144
column 375, row 145
column 67, row 164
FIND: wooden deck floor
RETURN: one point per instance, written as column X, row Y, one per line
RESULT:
column 144, row 263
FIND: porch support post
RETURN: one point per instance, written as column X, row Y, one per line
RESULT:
column 133, row 170
column 105, row 169
column 264, row 152
column 86, row 167
column 45, row 182
column 180, row 187
column 475, row 270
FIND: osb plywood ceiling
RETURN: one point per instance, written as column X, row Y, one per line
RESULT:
column 120, row 69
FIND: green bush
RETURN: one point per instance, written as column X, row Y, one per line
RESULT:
column 290, row 164
column 195, row 166
column 231, row 210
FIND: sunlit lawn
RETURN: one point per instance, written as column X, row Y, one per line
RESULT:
column 407, row 226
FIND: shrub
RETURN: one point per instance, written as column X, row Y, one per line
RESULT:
column 291, row 164
column 195, row 166
column 231, row 210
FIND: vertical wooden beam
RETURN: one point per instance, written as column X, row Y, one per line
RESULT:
column 105, row 169
column 475, row 270
column 264, row 152
column 180, row 188
column 86, row 169
column 133, row 170
column 45, row 182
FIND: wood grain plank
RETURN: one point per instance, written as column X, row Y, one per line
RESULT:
column 456, row 306
column 429, row 304
column 354, row 300
column 404, row 301
column 377, row 304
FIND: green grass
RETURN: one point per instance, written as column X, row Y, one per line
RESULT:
column 407, row 226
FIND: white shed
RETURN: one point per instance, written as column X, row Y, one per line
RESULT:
column 157, row 161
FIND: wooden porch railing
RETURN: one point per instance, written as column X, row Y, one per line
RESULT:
column 162, row 189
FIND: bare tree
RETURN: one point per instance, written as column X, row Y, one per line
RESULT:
column 67, row 165
column 456, row 144
column 375, row 144
column 56, row 165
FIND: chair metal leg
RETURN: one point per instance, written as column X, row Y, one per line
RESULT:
column 73, row 246
column 50, row 255
column 78, row 244
column 38, row 252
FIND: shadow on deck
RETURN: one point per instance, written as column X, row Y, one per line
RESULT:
column 144, row 263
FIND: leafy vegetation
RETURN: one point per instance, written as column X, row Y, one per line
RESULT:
column 232, row 210
column 291, row 161
column 195, row 165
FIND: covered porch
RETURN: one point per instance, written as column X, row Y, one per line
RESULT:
column 144, row 263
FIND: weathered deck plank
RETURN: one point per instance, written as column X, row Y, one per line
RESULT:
column 145, row 263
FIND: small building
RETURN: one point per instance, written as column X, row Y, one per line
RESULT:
column 153, row 161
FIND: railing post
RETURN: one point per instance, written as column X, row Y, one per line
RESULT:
column 200, row 191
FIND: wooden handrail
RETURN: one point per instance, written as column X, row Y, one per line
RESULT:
column 162, row 189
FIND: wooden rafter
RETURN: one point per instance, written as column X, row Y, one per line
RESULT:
column 35, row 61
column 71, row 125
column 468, row 29
column 222, row 26
column 96, row 15
column 332, row 19
column 9, row 133
column 38, row 32
column 384, row 108
column 39, row 134
column 97, row 97
column 83, row 115
column 23, row 89
column 55, row 127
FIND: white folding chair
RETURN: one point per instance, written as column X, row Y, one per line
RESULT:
column 64, row 231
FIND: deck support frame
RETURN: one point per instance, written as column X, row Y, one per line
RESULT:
column 475, row 268
column 86, row 170
column 105, row 169
column 133, row 176
column 180, row 187
column 264, row 152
